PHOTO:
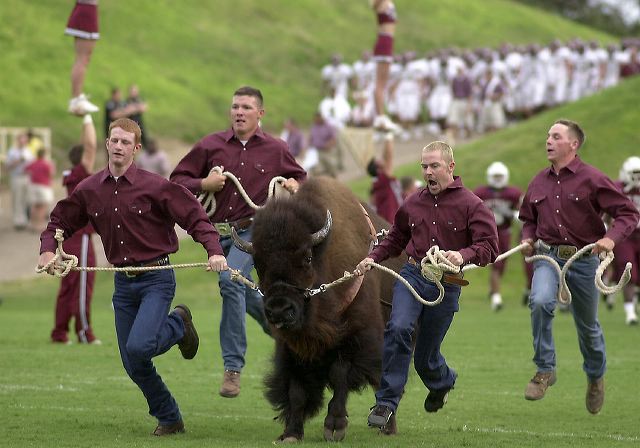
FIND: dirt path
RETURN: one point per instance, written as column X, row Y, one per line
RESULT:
column 19, row 250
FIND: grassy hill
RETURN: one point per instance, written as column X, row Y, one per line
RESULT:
column 188, row 57
column 609, row 119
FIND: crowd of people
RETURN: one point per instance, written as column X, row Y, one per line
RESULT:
column 464, row 92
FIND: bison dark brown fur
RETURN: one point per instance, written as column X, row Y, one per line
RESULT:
column 321, row 341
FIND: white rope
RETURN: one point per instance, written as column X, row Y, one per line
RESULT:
column 500, row 257
column 208, row 201
column 564, row 294
column 63, row 263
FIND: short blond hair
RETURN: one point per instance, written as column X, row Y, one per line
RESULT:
column 445, row 150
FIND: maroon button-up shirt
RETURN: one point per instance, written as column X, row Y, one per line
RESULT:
column 567, row 208
column 255, row 164
column 456, row 219
column 135, row 216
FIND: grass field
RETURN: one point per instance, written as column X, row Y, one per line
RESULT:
column 72, row 396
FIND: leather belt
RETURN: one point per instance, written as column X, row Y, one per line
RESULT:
column 161, row 261
column 447, row 277
column 224, row 228
column 562, row 251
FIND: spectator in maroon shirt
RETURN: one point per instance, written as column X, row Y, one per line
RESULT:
column 504, row 201
column 323, row 138
column 562, row 209
column 76, row 288
column 41, row 173
column 135, row 212
column 293, row 136
column 443, row 214
column 254, row 157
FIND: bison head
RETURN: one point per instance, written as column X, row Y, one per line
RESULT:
column 286, row 251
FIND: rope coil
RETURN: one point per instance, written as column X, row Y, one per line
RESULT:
column 208, row 200
column 564, row 294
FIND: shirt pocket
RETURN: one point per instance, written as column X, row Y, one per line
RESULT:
column 140, row 208
column 455, row 225
column 95, row 212
column 416, row 225
column 538, row 200
column 261, row 168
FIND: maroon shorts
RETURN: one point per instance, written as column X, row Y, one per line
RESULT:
column 504, row 244
column 383, row 49
column 83, row 22
column 627, row 251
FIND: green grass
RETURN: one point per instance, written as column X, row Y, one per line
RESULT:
column 189, row 57
column 70, row 396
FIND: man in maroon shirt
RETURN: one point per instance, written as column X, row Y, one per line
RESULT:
column 562, row 209
column 504, row 201
column 448, row 215
column 76, row 288
column 135, row 212
column 254, row 157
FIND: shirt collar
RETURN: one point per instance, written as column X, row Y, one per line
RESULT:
column 130, row 174
column 573, row 166
column 229, row 134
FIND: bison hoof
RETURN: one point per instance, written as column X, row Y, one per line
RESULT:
column 287, row 439
column 337, row 435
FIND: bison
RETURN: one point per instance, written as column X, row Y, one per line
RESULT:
column 333, row 338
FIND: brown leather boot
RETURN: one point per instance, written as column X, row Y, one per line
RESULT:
column 230, row 384
column 595, row 395
column 167, row 430
column 538, row 385
column 188, row 345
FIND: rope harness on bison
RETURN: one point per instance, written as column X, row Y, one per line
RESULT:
column 208, row 200
column 432, row 267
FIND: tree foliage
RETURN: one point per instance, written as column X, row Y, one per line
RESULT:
column 592, row 13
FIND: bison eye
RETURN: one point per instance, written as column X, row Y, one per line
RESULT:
column 308, row 260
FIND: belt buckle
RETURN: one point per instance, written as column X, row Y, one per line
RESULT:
column 130, row 274
column 565, row 252
column 223, row 228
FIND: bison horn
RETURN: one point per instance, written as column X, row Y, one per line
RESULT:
column 244, row 246
column 321, row 234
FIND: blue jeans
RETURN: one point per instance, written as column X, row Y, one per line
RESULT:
column 433, row 323
column 584, row 307
column 146, row 329
column 237, row 299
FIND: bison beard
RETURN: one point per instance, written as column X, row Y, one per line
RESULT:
column 321, row 341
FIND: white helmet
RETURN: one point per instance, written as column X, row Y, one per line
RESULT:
column 630, row 172
column 498, row 175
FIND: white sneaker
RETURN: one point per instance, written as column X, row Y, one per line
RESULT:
column 632, row 318
column 80, row 105
column 384, row 123
column 496, row 301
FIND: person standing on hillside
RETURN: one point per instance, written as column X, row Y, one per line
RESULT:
column 135, row 106
column 83, row 26
column 254, row 157
column 135, row 213
column 504, row 201
column 448, row 215
column 386, row 191
column 18, row 157
column 562, row 212
column 76, row 288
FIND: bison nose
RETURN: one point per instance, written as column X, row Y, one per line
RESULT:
column 281, row 315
